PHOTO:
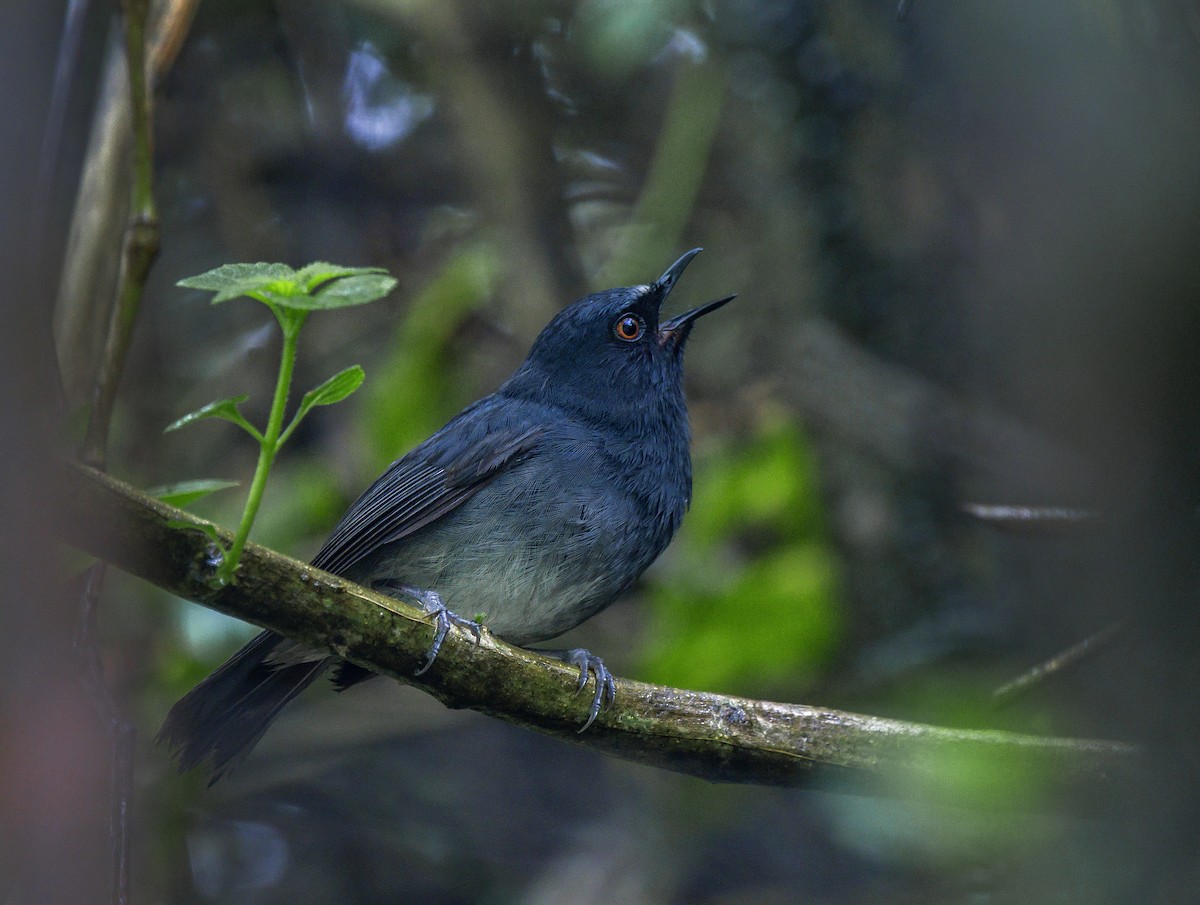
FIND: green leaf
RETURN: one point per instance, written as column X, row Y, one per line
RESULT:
column 348, row 291
column 273, row 292
column 183, row 493
column 335, row 389
column 221, row 278
column 280, row 286
column 226, row 409
column 313, row 275
column 264, row 282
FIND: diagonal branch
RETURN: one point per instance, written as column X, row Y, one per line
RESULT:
column 716, row 737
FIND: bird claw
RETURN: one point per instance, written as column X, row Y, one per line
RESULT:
column 606, row 685
column 589, row 664
column 431, row 603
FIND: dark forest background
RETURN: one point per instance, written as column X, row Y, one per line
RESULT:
column 965, row 242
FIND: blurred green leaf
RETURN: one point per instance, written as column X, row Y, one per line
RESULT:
column 729, row 620
column 183, row 493
column 775, row 622
column 621, row 35
column 770, row 484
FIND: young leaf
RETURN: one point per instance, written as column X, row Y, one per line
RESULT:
column 265, row 282
column 335, row 389
column 273, row 292
column 291, row 296
column 183, row 493
column 345, row 292
column 280, row 285
column 226, row 409
column 313, row 275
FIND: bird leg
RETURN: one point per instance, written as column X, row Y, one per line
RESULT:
column 431, row 603
column 588, row 663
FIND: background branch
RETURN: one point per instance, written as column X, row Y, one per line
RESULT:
column 716, row 737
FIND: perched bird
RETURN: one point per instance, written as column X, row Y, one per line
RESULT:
column 537, row 506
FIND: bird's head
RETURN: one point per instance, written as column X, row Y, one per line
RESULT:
column 611, row 350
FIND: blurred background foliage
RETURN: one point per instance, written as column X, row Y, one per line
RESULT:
column 751, row 602
column 964, row 246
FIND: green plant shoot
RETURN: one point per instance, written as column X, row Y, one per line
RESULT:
column 291, row 295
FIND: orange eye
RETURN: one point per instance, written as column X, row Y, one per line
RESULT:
column 628, row 327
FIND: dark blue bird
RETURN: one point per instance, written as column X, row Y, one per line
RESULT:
column 536, row 506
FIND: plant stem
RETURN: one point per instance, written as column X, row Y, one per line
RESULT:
column 290, row 323
column 139, row 244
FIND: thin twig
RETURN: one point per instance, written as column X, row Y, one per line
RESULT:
column 1030, row 519
column 1025, row 682
column 120, row 732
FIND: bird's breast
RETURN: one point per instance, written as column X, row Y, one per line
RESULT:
column 551, row 541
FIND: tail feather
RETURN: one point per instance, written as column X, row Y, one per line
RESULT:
column 223, row 717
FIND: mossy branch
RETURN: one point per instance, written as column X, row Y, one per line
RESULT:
column 713, row 736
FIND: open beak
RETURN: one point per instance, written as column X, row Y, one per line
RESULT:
column 665, row 283
column 675, row 331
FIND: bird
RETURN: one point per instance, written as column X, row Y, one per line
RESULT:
column 537, row 506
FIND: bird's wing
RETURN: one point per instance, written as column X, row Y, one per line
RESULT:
column 432, row 480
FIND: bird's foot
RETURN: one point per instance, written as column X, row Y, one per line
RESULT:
column 589, row 664
column 431, row 603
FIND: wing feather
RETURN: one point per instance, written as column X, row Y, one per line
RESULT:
column 426, row 484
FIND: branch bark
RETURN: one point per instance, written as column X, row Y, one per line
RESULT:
column 716, row 737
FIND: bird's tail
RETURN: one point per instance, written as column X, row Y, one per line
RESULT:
column 223, row 717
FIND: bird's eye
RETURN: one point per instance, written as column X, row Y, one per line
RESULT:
column 628, row 327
